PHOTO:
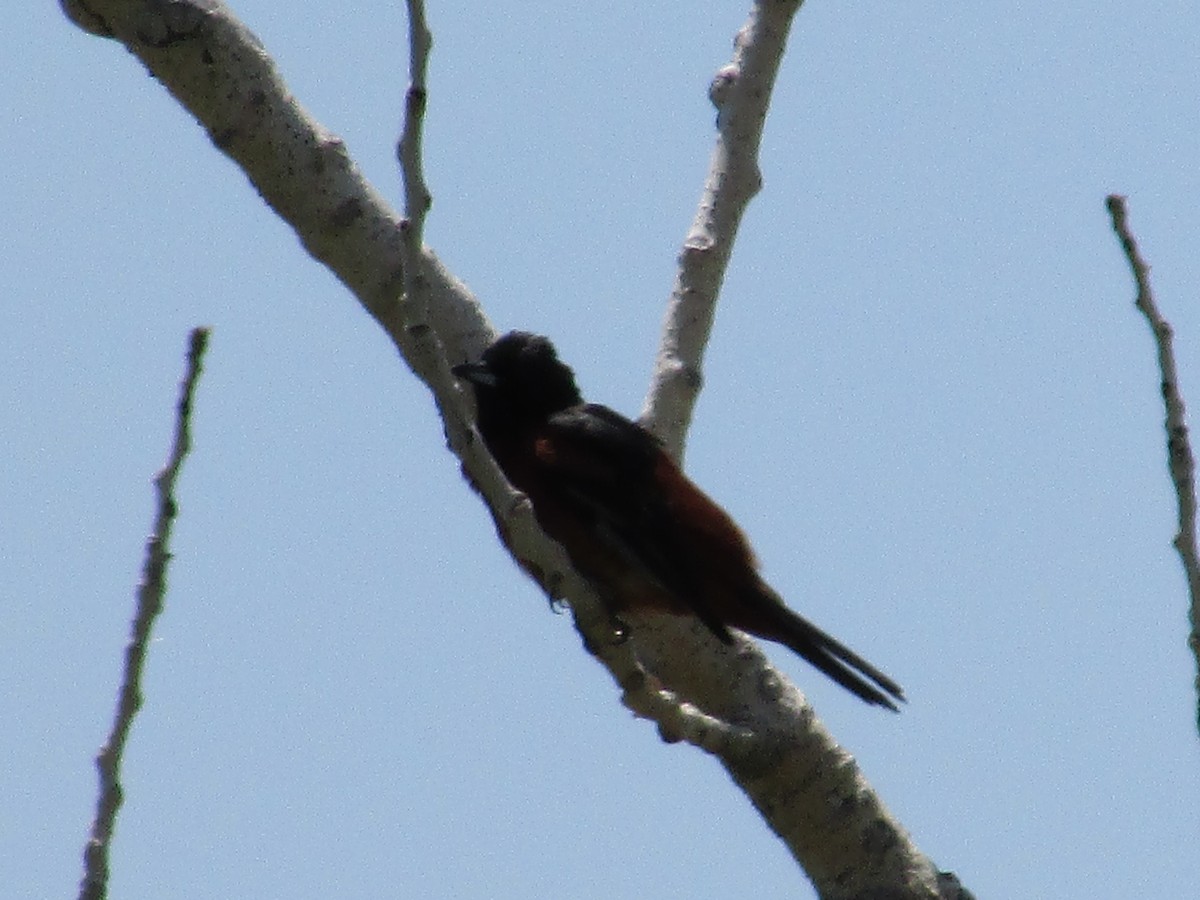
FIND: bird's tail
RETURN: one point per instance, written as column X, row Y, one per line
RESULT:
column 778, row 623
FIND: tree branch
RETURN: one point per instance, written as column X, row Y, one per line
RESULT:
column 1180, row 461
column 220, row 72
column 417, row 200
column 149, row 604
column 741, row 93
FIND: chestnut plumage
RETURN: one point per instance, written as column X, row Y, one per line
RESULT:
column 631, row 521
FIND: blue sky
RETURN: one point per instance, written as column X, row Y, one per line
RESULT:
column 929, row 402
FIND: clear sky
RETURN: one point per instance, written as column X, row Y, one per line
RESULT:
column 929, row 401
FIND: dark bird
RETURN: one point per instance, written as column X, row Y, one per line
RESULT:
column 632, row 523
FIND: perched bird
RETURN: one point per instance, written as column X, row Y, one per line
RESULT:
column 632, row 523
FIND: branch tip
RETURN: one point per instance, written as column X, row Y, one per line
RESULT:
column 1180, row 460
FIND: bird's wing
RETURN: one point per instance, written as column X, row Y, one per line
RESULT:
column 607, row 468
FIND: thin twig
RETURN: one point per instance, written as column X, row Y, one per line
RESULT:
column 417, row 199
column 149, row 604
column 1180, row 461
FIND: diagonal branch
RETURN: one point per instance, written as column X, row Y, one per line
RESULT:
column 149, row 604
column 1180, row 461
column 220, row 72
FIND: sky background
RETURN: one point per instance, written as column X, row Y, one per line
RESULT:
column 929, row 402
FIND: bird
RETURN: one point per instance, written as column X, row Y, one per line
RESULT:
column 631, row 522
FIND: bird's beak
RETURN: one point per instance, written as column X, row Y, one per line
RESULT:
column 475, row 373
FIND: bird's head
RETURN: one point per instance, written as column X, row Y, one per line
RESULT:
column 520, row 379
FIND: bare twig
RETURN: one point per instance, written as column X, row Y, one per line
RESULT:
column 741, row 92
column 1180, row 461
column 417, row 200
column 149, row 604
